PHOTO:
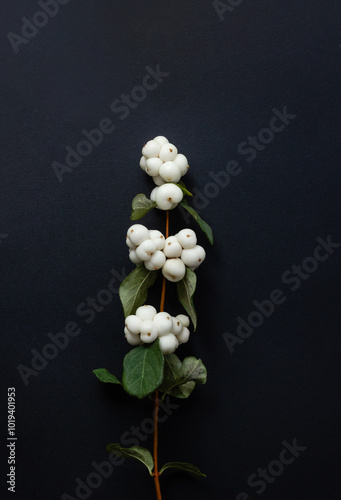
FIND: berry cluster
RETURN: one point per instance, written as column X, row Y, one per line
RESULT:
column 147, row 325
column 166, row 166
column 171, row 254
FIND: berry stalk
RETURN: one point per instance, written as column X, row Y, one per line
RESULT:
column 156, row 397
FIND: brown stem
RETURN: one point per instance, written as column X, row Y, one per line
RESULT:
column 163, row 292
column 156, row 468
column 156, row 397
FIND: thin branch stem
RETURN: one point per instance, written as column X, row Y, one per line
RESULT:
column 156, row 397
column 156, row 467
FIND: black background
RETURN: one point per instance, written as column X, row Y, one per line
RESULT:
column 64, row 238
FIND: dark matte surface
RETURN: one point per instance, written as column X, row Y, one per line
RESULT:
column 63, row 239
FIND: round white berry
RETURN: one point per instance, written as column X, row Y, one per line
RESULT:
column 134, row 258
column 130, row 244
column 161, row 140
column 170, row 172
column 146, row 312
column 168, row 343
column 163, row 322
column 167, row 195
column 184, row 319
column 193, row 257
column 137, row 233
column 133, row 323
column 183, row 336
column 143, row 163
column 182, row 162
column 158, row 238
column 172, row 247
column 158, row 180
column 174, row 269
column 153, row 166
column 187, row 238
column 151, row 149
column 168, row 152
column 149, row 331
column 145, row 250
column 177, row 326
column 156, row 261
column 153, row 194
column 131, row 338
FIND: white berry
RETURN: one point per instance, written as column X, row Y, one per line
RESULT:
column 184, row 335
column 153, row 166
column 137, row 233
column 158, row 238
column 174, row 269
column 143, row 163
column 156, row 261
column 193, row 257
column 172, row 247
column 130, row 244
column 163, row 322
column 182, row 162
column 133, row 323
column 170, row 172
column 131, row 338
column 167, row 195
column 149, row 331
column 168, row 152
column 187, row 238
column 151, row 149
column 158, row 180
column 177, row 326
column 153, row 194
column 134, row 258
column 184, row 319
column 145, row 250
column 161, row 140
column 168, row 343
column 146, row 312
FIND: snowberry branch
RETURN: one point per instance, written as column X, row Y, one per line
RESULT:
column 151, row 367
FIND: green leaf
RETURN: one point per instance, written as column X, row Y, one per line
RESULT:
column 183, row 188
column 185, row 290
column 180, row 378
column 141, row 205
column 134, row 289
column 104, row 376
column 184, row 466
column 135, row 452
column 204, row 226
column 143, row 370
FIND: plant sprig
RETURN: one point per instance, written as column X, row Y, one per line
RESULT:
column 153, row 368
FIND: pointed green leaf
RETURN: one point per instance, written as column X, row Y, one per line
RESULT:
column 143, row 370
column 134, row 289
column 184, row 466
column 180, row 378
column 141, row 205
column 135, row 452
column 185, row 290
column 104, row 376
column 204, row 226
column 183, row 188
